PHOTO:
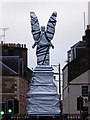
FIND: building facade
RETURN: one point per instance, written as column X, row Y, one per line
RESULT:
column 76, row 78
column 14, row 77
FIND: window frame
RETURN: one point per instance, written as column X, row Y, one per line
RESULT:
column 84, row 91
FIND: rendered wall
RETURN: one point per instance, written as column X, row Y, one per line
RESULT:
column 74, row 90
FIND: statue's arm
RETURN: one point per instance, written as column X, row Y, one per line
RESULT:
column 50, row 30
column 35, row 28
column 33, row 46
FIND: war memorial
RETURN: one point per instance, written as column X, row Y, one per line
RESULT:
column 43, row 98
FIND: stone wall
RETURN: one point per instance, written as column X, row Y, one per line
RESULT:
column 15, row 87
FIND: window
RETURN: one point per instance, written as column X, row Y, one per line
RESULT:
column 84, row 91
column 85, row 109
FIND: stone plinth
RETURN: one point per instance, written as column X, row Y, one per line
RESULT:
column 42, row 96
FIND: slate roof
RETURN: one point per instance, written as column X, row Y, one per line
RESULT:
column 7, row 70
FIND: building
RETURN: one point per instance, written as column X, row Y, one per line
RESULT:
column 14, row 76
column 76, row 78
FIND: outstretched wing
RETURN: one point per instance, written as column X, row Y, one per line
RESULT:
column 50, row 30
column 35, row 28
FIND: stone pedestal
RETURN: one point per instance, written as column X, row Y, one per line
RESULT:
column 42, row 96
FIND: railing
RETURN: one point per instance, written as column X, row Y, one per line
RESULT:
column 75, row 117
column 32, row 117
column 46, row 117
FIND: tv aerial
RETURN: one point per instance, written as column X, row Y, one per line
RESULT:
column 4, row 33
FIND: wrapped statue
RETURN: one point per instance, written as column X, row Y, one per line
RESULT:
column 43, row 98
column 43, row 38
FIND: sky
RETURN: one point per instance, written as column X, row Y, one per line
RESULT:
column 69, row 27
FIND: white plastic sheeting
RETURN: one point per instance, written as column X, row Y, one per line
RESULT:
column 43, row 38
column 42, row 96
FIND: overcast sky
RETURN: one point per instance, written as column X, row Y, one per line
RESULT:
column 69, row 28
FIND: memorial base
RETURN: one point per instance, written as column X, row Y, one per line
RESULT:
column 42, row 96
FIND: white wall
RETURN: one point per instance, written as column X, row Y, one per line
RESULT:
column 72, row 91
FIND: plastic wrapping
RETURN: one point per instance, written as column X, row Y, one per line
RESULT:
column 42, row 96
